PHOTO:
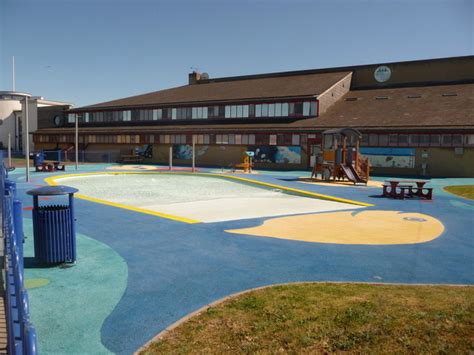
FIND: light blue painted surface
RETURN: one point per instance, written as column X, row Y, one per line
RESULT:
column 69, row 311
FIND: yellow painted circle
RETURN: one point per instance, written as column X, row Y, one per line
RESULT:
column 35, row 283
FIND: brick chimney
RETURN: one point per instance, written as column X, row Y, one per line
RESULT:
column 194, row 77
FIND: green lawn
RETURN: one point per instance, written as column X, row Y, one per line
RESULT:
column 466, row 191
column 317, row 318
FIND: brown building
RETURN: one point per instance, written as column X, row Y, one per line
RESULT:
column 417, row 118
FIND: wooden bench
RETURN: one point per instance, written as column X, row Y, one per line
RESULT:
column 131, row 159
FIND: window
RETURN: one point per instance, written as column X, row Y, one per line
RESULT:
column 157, row 114
column 365, row 139
column 292, row 109
column 295, row 139
column 457, row 140
column 245, row 111
column 240, row 112
column 238, row 139
column 383, row 140
column 312, row 108
column 218, row 138
column 233, row 111
column 271, row 110
column 273, row 139
column 258, row 110
column 227, row 111
column 423, row 139
column 403, row 139
column 435, row 140
column 127, row 115
column 373, row 140
column 231, row 138
column 306, row 108
column 284, row 109
column 71, row 118
column 173, row 113
column 446, row 140
column 251, row 138
column 264, row 110
column 393, row 139
column 469, row 139
column 86, row 117
column 298, row 108
column 278, row 110
column 413, row 139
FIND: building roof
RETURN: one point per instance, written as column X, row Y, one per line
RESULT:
column 430, row 106
column 302, row 85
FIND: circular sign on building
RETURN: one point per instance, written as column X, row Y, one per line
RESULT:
column 57, row 120
column 382, row 73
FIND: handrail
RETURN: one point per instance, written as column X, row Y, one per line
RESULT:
column 21, row 334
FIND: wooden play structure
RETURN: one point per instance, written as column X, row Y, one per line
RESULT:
column 340, row 157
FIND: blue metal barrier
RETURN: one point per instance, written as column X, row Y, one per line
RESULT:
column 21, row 333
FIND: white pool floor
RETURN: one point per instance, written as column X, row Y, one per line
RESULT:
column 201, row 198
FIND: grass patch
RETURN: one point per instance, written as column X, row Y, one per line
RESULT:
column 466, row 191
column 318, row 318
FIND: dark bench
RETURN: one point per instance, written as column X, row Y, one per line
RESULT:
column 131, row 159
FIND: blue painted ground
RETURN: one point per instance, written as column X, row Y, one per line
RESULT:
column 176, row 268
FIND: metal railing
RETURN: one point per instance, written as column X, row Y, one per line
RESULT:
column 85, row 156
column 21, row 334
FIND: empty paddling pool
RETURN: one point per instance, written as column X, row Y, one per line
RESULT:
column 195, row 198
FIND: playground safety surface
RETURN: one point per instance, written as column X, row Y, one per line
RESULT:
column 137, row 273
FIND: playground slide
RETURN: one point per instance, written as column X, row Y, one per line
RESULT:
column 351, row 174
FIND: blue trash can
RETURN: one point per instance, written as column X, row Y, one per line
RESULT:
column 38, row 158
column 54, row 227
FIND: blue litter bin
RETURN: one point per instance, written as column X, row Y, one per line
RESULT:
column 54, row 228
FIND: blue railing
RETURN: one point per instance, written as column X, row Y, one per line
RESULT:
column 20, row 332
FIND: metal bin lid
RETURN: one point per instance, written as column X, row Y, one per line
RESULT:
column 52, row 190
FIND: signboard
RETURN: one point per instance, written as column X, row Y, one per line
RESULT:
column 382, row 73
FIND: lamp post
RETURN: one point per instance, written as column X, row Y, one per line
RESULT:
column 21, row 96
column 77, row 140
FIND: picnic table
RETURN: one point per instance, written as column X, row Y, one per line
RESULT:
column 50, row 166
column 399, row 189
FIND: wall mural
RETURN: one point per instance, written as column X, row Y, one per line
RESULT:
column 276, row 154
column 145, row 150
column 263, row 154
column 390, row 157
column 185, row 151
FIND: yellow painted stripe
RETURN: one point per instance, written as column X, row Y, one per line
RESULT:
column 141, row 210
column 52, row 181
column 300, row 192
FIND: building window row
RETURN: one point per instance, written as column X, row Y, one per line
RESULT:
column 417, row 140
column 368, row 140
column 281, row 109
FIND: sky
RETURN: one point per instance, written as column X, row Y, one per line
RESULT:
column 90, row 51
